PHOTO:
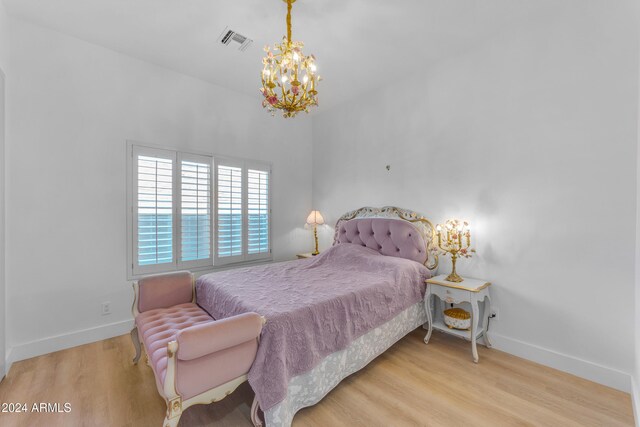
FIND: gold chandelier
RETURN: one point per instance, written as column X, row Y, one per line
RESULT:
column 288, row 77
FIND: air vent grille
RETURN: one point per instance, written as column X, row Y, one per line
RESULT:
column 229, row 36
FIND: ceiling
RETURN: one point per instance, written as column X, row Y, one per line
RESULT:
column 359, row 44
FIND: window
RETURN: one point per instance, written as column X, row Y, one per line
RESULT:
column 243, row 215
column 193, row 211
column 229, row 213
column 257, row 211
column 153, row 213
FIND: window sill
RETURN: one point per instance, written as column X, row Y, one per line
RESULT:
column 199, row 271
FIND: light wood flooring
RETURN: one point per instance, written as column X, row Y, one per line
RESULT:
column 412, row 384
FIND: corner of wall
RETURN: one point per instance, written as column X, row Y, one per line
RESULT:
column 7, row 363
column 635, row 398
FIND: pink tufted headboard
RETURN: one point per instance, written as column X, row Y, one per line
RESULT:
column 392, row 237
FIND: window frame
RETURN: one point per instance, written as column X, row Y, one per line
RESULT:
column 203, row 262
column 233, row 259
column 153, row 268
column 244, row 165
column 214, row 262
column 262, row 167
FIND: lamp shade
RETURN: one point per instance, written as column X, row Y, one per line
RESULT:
column 315, row 218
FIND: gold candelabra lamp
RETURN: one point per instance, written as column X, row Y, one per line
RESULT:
column 454, row 237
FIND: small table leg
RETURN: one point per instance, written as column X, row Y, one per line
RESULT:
column 474, row 328
column 427, row 306
column 487, row 314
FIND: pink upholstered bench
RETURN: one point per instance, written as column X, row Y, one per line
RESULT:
column 195, row 359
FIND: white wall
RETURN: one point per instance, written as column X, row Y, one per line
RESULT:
column 532, row 137
column 74, row 107
column 4, row 52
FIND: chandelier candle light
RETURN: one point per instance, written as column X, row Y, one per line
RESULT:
column 454, row 237
column 288, row 76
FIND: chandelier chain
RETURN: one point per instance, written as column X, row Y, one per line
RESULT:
column 289, row 21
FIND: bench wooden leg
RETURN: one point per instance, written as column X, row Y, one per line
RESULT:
column 174, row 412
column 136, row 344
column 255, row 416
column 171, row 422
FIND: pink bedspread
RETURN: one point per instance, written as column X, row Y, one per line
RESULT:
column 313, row 307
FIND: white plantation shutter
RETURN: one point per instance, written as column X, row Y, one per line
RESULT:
column 195, row 211
column 229, row 212
column 153, row 210
column 243, row 216
column 258, row 212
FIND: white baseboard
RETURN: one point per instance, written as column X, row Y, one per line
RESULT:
column 582, row 368
column 64, row 341
column 592, row 371
column 635, row 399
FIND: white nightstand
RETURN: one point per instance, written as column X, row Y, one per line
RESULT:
column 473, row 291
column 305, row 255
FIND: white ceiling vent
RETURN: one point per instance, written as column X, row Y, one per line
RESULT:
column 229, row 36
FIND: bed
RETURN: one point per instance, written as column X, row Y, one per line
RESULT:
column 329, row 316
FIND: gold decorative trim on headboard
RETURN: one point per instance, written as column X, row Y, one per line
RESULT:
column 422, row 224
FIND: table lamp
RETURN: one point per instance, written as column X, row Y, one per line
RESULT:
column 315, row 218
column 454, row 237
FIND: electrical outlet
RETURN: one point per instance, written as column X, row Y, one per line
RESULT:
column 106, row 308
column 495, row 313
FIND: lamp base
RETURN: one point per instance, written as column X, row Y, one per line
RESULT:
column 315, row 238
column 453, row 277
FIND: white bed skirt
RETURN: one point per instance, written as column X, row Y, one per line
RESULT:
column 309, row 388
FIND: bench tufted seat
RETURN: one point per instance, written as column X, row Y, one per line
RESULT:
column 160, row 326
